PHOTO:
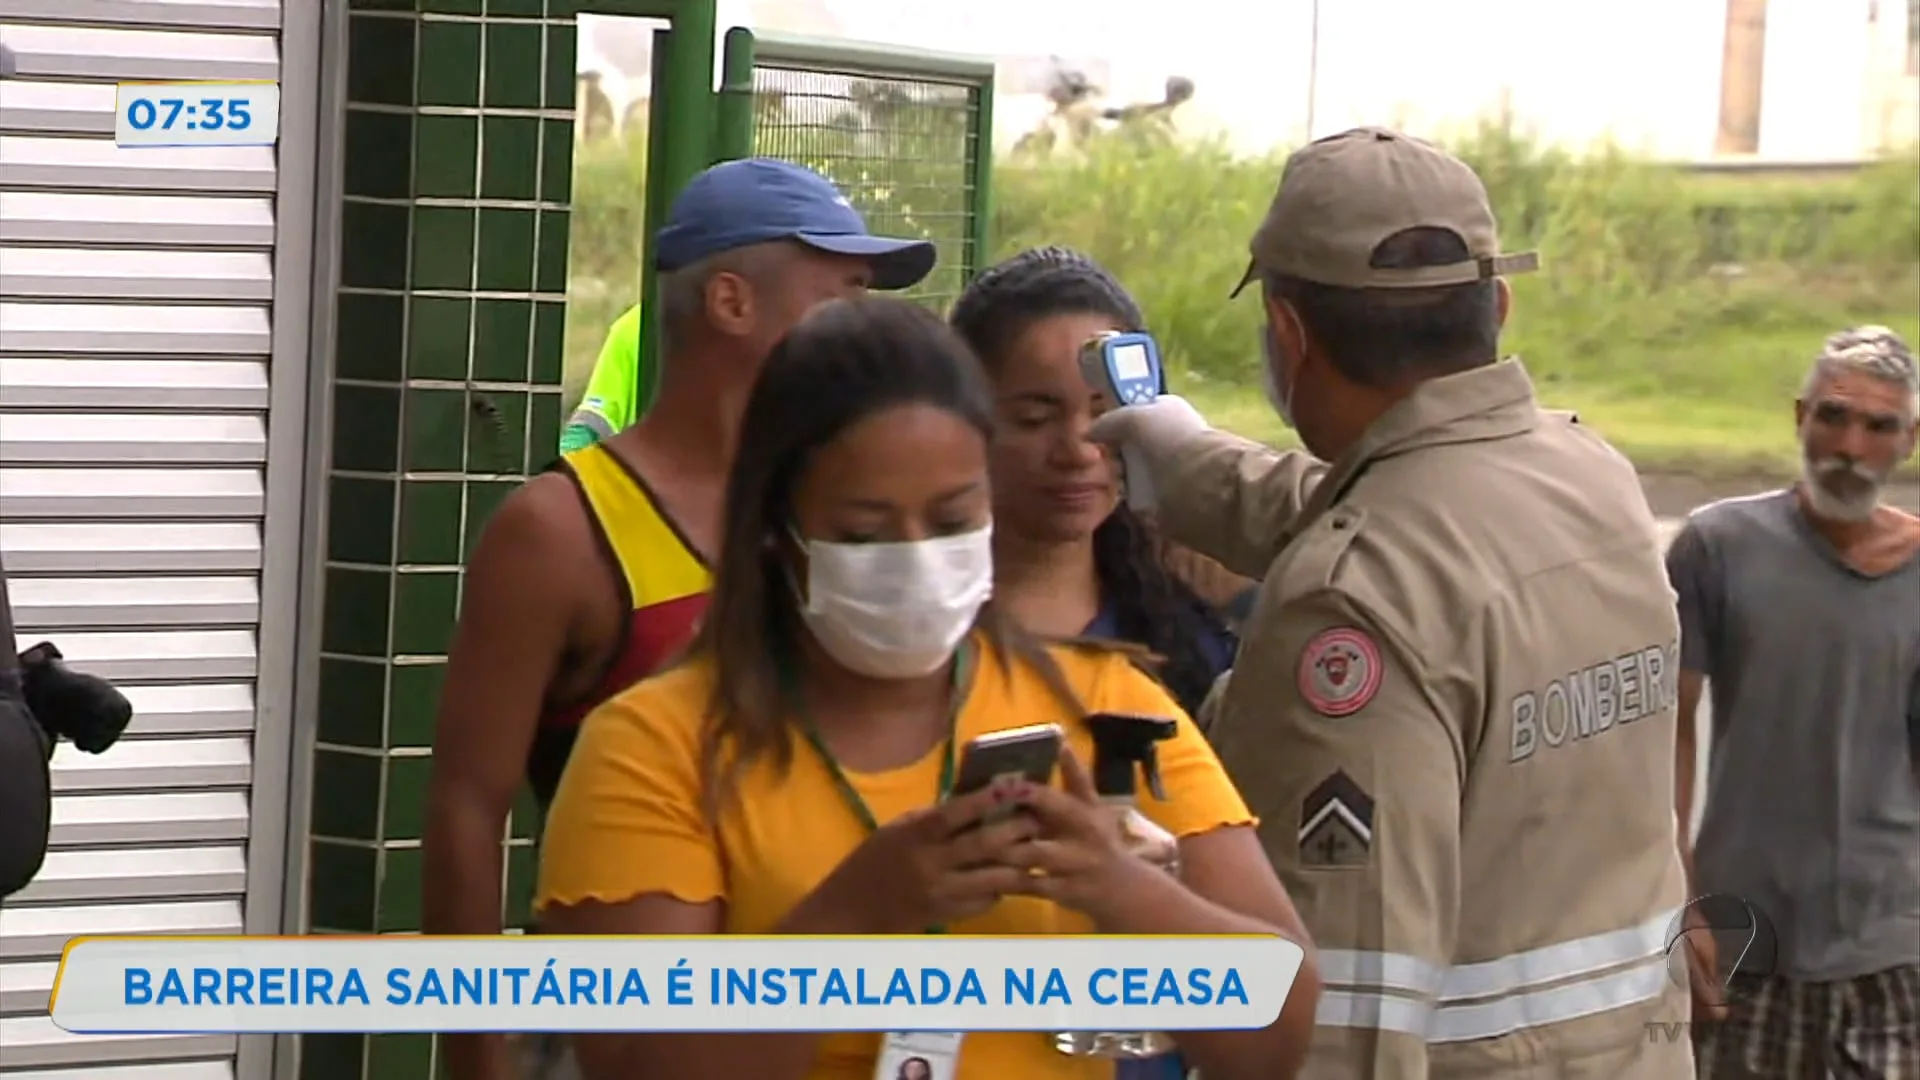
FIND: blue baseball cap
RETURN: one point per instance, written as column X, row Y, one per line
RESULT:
column 757, row 200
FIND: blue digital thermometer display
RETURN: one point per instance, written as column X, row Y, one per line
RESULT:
column 1124, row 368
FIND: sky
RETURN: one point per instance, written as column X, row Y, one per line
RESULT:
column 1643, row 73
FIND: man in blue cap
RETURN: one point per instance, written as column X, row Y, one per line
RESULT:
column 785, row 203
column 593, row 575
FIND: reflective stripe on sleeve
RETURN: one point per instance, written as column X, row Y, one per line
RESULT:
column 1395, row 973
column 1374, row 1012
column 585, row 429
column 1487, row 999
column 1553, row 963
column 1418, row 1019
column 592, row 421
column 1538, row 1008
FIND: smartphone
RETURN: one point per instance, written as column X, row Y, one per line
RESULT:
column 1031, row 752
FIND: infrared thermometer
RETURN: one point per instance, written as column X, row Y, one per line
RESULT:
column 1125, row 369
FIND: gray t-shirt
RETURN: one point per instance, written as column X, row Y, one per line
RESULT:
column 1812, row 807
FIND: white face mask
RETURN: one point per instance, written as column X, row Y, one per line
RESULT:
column 896, row 611
column 1277, row 396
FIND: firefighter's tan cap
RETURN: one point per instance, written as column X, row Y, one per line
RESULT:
column 1340, row 197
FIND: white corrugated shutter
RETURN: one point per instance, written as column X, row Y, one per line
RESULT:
column 135, row 295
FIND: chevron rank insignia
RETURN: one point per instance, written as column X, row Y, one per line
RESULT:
column 1336, row 825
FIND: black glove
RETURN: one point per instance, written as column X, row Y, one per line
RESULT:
column 26, row 800
column 13, row 708
column 84, row 709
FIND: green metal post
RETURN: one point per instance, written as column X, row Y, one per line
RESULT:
column 654, row 212
column 689, row 113
column 680, row 138
column 980, row 255
column 660, row 138
column 734, row 135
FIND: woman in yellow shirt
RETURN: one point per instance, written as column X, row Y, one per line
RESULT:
column 786, row 778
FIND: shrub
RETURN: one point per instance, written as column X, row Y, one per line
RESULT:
column 1639, row 259
column 1633, row 254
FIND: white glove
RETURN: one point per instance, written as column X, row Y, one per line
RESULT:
column 1147, row 436
column 1156, row 429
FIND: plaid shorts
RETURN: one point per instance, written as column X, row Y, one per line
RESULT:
column 1857, row 1029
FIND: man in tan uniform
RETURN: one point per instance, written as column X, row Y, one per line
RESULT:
column 1454, row 704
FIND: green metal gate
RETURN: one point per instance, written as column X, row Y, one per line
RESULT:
column 906, row 134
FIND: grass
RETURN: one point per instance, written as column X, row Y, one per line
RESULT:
column 1744, row 430
column 1676, row 312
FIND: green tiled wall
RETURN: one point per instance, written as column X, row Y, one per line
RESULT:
column 446, row 384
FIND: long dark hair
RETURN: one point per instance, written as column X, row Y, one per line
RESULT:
column 1152, row 606
column 843, row 363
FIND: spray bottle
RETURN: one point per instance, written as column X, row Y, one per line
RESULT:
column 1124, row 750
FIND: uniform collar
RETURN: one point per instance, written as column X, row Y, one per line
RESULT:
column 1491, row 402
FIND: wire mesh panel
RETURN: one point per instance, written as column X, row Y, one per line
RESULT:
column 904, row 149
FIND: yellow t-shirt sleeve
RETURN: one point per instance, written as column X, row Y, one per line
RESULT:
column 1200, row 798
column 628, row 819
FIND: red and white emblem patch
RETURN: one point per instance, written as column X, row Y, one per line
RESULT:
column 1339, row 671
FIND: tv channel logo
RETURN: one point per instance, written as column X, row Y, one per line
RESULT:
column 1727, row 940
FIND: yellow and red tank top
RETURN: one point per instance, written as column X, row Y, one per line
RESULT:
column 663, row 582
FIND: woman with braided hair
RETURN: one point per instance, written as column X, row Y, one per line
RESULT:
column 1070, row 560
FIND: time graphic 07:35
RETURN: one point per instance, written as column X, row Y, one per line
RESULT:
column 197, row 114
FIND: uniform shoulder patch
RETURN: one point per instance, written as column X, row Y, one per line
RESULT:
column 1339, row 671
column 1336, row 824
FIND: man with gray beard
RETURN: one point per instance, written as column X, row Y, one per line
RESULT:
column 1802, row 609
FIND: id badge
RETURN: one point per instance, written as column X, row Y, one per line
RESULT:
column 919, row 1055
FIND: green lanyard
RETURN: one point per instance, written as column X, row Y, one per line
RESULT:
column 850, row 794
